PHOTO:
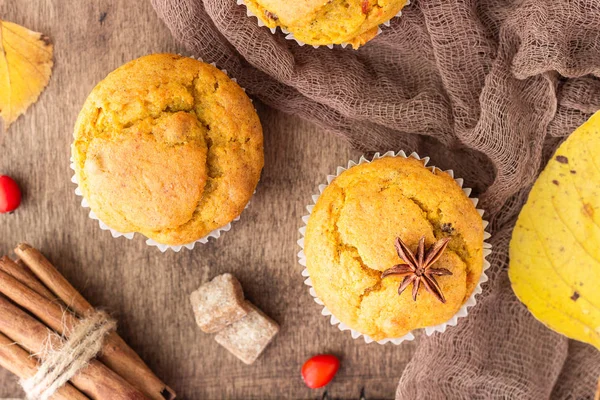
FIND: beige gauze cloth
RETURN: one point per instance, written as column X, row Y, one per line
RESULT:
column 488, row 88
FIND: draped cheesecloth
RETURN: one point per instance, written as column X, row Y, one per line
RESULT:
column 488, row 88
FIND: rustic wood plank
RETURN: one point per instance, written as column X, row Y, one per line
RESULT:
column 146, row 290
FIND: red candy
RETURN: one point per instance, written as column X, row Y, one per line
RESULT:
column 10, row 194
column 319, row 370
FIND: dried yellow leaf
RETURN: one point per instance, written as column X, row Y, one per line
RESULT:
column 555, row 247
column 25, row 69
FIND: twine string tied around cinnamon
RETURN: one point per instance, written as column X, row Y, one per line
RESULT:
column 60, row 365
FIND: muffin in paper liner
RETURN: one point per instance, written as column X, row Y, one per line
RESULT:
column 129, row 235
column 290, row 36
column 430, row 330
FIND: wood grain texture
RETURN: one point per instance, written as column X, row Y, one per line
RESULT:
column 147, row 291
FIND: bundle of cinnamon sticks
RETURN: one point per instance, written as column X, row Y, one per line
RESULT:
column 36, row 302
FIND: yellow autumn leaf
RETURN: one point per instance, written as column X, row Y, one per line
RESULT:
column 555, row 247
column 25, row 69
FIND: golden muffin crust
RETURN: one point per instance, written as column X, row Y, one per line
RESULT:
column 169, row 147
column 324, row 22
column 350, row 239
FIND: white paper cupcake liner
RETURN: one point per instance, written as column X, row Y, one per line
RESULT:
column 129, row 235
column 290, row 36
column 462, row 312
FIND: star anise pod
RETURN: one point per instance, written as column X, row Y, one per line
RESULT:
column 418, row 269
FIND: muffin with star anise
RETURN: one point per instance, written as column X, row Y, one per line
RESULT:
column 392, row 246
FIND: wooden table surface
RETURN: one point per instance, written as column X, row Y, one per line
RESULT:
column 147, row 290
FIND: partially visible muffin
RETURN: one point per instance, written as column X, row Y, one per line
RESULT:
column 325, row 22
column 350, row 241
column 167, row 146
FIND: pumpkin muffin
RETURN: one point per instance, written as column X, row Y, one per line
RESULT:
column 369, row 220
column 169, row 147
column 325, row 22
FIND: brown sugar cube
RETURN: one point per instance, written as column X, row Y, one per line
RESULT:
column 219, row 303
column 248, row 337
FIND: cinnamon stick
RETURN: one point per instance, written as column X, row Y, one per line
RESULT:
column 20, row 363
column 95, row 380
column 116, row 353
column 49, row 276
column 25, row 276
column 48, row 312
